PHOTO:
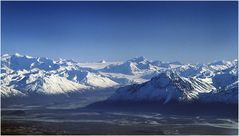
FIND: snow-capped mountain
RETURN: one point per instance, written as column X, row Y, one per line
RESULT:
column 132, row 66
column 85, row 76
column 102, row 61
column 227, row 95
column 22, row 75
column 165, row 87
column 208, row 70
column 170, row 87
column 8, row 92
column 166, row 64
column 39, row 81
column 20, row 62
column 222, row 65
column 217, row 81
column 213, row 82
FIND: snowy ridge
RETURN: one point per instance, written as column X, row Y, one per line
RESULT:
column 39, row 81
column 165, row 87
column 22, row 75
column 9, row 92
column 170, row 87
column 131, row 67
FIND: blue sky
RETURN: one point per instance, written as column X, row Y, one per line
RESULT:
column 191, row 32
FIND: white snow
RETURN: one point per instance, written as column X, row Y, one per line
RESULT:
column 9, row 92
column 95, row 65
column 22, row 74
column 167, row 86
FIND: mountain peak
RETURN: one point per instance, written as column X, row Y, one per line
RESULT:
column 5, row 55
column 18, row 55
column 102, row 61
column 167, row 86
column 138, row 59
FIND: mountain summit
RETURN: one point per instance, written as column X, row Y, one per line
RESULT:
column 166, row 87
column 22, row 75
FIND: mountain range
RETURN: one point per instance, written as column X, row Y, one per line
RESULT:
column 137, row 79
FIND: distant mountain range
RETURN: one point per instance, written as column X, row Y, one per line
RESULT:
column 138, row 79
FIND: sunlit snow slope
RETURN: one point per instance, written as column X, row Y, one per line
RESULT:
column 22, row 75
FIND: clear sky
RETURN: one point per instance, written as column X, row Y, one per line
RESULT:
column 191, row 32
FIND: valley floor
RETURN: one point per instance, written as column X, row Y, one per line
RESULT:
column 64, row 116
column 83, row 122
